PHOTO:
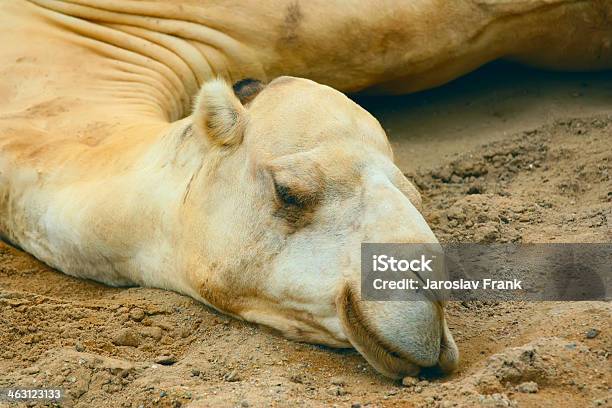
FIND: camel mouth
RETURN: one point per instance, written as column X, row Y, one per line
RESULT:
column 382, row 356
column 428, row 346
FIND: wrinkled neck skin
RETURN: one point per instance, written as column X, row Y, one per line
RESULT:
column 388, row 46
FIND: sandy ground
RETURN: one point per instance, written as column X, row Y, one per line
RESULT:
column 501, row 156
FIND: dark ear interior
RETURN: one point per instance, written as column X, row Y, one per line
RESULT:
column 247, row 89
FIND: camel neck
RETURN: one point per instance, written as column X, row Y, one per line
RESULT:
column 162, row 45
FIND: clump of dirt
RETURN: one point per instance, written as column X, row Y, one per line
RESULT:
column 549, row 367
column 556, row 177
column 110, row 347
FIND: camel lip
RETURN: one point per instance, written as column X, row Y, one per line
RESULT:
column 378, row 354
column 385, row 358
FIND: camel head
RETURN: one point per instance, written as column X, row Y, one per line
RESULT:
column 296, row 177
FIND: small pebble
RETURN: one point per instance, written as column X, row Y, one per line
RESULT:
column 79, row 347
column 31, row 370
column 137, row 314
column 165, row 360
column 154, row 332
column 529, row 387
column 127, row 337
column 231, row 376
column 409, row 381
column 592, row 333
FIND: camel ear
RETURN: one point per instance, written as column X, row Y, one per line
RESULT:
column 218, row 114
column 247, row 89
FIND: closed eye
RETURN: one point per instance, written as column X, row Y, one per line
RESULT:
column 298, row 189
column 285, row 195
column 296, row 195
column 295, row 205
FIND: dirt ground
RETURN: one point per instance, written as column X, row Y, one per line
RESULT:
column 508, row 169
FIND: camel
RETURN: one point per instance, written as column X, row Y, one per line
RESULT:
column 253, row 199
column 225, row 207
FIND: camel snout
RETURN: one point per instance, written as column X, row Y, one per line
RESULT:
column 398, row 338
